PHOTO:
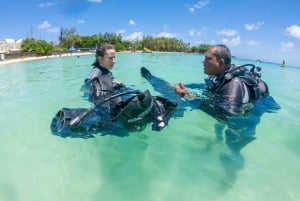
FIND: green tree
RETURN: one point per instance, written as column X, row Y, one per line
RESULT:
column 203, row 48
column 39, row 46
column 68, row 37
column 119, row 47
column 43, row 48
column 28, row 45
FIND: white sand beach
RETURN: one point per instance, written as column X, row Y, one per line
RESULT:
column 8, row 61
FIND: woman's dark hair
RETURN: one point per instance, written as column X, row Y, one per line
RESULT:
column 101, row 51
column 222, row 52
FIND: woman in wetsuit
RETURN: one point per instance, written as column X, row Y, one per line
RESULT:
column 100, row 82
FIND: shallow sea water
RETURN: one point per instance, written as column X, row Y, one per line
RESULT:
column 181, row 162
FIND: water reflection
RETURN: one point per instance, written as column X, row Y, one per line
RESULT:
column 238, row 131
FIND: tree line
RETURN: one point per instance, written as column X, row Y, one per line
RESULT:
column 69, row 38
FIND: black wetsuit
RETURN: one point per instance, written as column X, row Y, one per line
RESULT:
column 100, row 84
column 233, row 92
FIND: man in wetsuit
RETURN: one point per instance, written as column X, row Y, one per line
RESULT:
column 228, row 94
column 232, row 92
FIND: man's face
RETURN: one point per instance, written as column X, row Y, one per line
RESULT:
column 108, row 60
column 212, row 65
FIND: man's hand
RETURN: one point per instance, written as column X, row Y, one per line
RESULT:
column 181, row 89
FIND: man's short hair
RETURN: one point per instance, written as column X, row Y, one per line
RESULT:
column 222, row 52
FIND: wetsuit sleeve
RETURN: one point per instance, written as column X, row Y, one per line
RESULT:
column 96, row 93
column 95, row 72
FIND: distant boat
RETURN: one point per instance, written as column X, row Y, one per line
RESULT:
column 146, row 50
column 283, row 64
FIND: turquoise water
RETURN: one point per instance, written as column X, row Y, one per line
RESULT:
column 181, row 162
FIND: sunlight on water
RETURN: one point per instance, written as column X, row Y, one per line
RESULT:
column 187, row 160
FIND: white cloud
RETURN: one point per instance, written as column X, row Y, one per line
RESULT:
column 94, row 1
column 200, row 4
column 253, row 26
column 253, row 43
column 287, row 47
column 192, row 10
column 227, row 32
column 202, row 31
column 191, row 32
column 134, row 36
column 166, row 35
column 293, row 31
column 48, row 27
column 233, row 42
column 46, row 5
column 121, row 31
column 131, row 22
column 81, row 21
column 53, row 30
column 44, row 25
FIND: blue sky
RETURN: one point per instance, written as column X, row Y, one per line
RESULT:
column 252, row 29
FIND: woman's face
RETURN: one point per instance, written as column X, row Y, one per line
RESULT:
column 108, row 60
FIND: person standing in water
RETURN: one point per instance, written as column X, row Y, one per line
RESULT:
column 100, row 82
column 235, row 96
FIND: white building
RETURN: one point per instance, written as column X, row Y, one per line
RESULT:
column 10, row 45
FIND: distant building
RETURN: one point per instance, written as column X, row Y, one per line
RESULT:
column 2, row 47
column 10, row 45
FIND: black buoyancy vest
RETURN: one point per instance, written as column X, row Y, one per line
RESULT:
column 257, row 87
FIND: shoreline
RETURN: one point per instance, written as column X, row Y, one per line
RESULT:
column 9, row 61
column 22, row 59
